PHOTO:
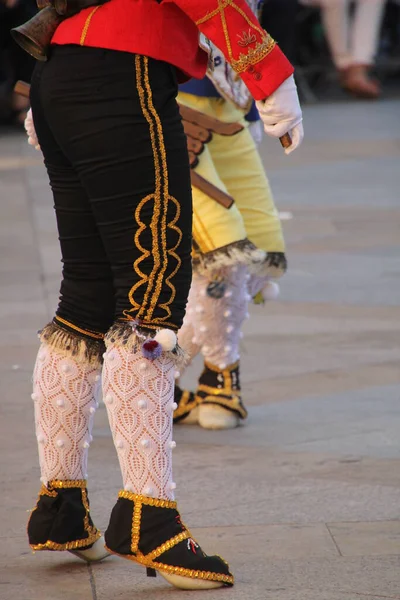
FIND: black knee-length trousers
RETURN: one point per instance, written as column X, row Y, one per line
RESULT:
column 115, row 152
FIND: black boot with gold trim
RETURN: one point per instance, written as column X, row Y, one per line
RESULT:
column 150, row 532
column 219, row 398
column 187, row 407
column 61, row 521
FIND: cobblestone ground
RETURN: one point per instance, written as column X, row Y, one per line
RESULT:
column 304, row 501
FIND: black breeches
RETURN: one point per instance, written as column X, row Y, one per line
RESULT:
column 115, row 151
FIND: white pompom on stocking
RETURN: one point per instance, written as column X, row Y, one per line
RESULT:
column 167, row 339
column 270, row 291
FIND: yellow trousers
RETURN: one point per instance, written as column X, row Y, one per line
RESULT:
column 233, row 164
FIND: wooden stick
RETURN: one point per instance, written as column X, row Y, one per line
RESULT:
column 286, row 140
column 211, row 190
column 22, row 88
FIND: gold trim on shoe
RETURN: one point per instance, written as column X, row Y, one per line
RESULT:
column 49, row 545
column 148, row 560
column 93, row 533
column 147, row 500
column 64, row 484
column 233, row 403
column 226, row 396
column 185, row 404
column 190, row 573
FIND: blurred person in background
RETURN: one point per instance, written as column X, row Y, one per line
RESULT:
column 280, row 17
column 236, row 252
column 14, row 63
column 353, row 40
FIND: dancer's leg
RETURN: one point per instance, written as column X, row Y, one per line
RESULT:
column 141, row 201
column 67, row 369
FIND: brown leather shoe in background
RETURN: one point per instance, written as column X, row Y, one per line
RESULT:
column 356, row 80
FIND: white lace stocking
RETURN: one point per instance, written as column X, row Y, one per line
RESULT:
column 216, row 322
column 255, row 283
column 64, row 399
column 139, row 396
column 186, row 334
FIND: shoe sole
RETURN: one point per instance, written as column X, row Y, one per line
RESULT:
column 94, row 554
column 183, row 583
column 216, row 417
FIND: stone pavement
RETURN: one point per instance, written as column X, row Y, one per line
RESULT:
column 304, row 501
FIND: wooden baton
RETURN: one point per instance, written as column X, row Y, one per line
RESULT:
column 285, row 140
column 211, row 190
column 22, row 88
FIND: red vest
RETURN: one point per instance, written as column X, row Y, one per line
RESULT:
column 169, row 30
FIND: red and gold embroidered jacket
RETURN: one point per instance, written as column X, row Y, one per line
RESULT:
column 168, row 30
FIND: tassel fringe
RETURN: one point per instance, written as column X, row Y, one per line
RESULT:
column 84, row 349
column 259, row 262
column 132, row 336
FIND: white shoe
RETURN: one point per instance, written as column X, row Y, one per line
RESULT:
column 192, row 418
column 212, row 416
column 185, row 583
column 186, row 411
column 94, row 554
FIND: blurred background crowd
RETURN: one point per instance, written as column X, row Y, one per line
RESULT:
column 341, row 48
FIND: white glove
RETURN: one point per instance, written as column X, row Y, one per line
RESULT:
column 255, row 128
column 281, row 113
column 30, row 130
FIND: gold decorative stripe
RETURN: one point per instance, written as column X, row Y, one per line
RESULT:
column 62, row 484
column 158, row 226
column 208, row 389
column 165, row 193
column 147, row 500
column 136, row 521
column 225, row 30
column 91, row 530
column 168, row 545
column 156, row 196
column 221, row 401
column 46, row 492
column 171, row 252
column 185, row 404
column 97, row 336
column 221, row 6
column 50, row 545
column 172, row 224
column 254, row 55
column 86, row 25
column 192, row 573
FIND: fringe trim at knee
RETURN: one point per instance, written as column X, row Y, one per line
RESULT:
column 259, row 262
column 131, row 336
column 84, row 350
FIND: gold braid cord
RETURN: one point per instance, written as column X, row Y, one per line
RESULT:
column 149, row 560
column 187, row 403
column 226, row 396
column 160, row 199
column 254, row 39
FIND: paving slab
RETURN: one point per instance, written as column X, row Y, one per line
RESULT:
column 366, row 539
